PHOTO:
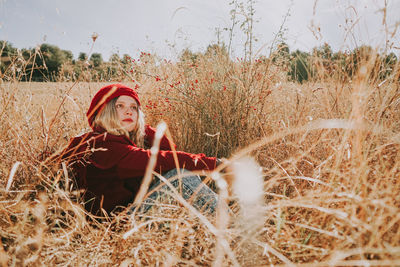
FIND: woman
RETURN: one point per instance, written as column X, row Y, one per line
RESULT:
column 109, row 162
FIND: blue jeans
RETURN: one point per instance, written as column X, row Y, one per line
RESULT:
column 201, row 196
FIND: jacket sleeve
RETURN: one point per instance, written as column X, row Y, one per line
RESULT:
column 75, row 149
column 131, row 161
column 164, row 143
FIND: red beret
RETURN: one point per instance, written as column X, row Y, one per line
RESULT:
column 104, row 95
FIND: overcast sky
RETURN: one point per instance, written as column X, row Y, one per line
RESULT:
column 166, row 27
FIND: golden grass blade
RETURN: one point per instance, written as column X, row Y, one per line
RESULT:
column 11, row 176
column 161, row 128
column 329, row 147
column 201, row 217
column 222, row 219
column 268, row 248
column 64, row 166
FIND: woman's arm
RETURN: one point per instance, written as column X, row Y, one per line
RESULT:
column 135, row 161
column 109, row 151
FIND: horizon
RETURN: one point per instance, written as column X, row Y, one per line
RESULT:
column 192, row 25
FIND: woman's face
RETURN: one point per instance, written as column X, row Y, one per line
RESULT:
column 128, row 112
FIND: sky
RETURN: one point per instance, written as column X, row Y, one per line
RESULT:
column 166, row 27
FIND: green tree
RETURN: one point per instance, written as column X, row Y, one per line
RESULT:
column 126, row 59
column 114, row 58
column 68, row 54
column 7, row 49
column 47, row 62
column 7, row 53
column 82, row 56
column 323, row 52
column 300, row 66
column 281, row 56
column 53, row 57
column 188, row 56
column 216, row 50
column 96, row 59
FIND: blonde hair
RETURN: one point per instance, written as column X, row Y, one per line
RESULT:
column 107, row 118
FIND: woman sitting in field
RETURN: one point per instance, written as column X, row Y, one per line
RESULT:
column 109, row 162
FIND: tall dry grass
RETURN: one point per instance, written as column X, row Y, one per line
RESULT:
column 328, row 152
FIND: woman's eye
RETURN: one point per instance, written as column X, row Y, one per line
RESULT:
column 123, row 107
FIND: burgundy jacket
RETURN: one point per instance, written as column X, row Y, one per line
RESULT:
column 110, row 168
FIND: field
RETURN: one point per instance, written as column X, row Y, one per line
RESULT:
column 326, row 154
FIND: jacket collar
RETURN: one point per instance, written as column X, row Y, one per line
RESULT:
column 112, row 137
column 99, row 130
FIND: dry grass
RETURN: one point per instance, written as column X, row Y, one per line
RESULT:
column 329, row 153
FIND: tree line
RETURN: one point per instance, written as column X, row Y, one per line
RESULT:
column 50, row 63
